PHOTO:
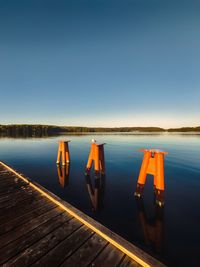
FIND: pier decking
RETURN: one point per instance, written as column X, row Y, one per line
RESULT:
column 38, row 228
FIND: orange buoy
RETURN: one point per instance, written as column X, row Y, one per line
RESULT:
column 63, row 152
column 97, row 156
column 153, row 163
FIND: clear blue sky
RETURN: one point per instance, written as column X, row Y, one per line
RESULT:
column 100, row 62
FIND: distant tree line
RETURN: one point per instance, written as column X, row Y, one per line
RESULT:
column 26, row 130
column 185, row 129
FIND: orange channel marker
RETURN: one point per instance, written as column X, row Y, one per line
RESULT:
column 97, row 156
column 153, row 163
column 63, row 152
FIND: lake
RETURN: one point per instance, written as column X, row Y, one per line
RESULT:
column 171, row 233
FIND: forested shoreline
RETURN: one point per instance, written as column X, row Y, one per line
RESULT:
column 26, row 130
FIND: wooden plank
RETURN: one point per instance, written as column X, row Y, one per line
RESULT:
column 65, row 248
column 109, row 257
column 16, row 198
column 9, row 190
column 22, row 209
column 86, row 253
column 42, row 226
column 15, row 195
column 13, row 190
column 21, row 199
column 10, row 185
column 10, row 179
column 128, row 262
column 7, row 176
column 28, row 226
column 3, row 170
column 37, row 250
column 24, row 218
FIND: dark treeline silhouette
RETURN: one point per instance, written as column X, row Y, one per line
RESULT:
column 185, row 129
column 26, row 130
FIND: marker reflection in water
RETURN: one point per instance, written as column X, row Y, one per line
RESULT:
column 63, row 174
column 152, row 226
column 96, row 191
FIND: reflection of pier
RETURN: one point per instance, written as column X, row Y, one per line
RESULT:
column 152, row 228
column 63, row 174
column 96, row 191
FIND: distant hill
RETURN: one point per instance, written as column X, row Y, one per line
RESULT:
column 37, row 130
column 185, row 129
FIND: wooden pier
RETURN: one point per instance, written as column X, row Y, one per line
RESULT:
column 37, row 228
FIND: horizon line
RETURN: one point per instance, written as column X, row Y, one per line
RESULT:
column 110, row 127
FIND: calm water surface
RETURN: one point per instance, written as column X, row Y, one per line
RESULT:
column 172, row 233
